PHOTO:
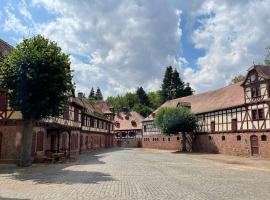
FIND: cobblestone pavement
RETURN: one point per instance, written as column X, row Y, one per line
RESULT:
column 135, row 174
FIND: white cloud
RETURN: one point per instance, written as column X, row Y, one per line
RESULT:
column 233, row 34
column 129, row 42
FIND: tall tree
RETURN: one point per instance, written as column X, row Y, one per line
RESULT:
column 131, row 100
column 92, row 94
column 38, row 78
column 143, row 98
column 99, row 95
column 178, row 86
column 175, row 121
column 166, row 87
column 173, row 87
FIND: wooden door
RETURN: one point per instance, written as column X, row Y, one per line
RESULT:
column 254, row 145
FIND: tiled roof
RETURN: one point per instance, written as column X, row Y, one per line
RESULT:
column 229, row 96
column 126, row 121
column 103, row 106
column 89, row 107
column 5, row 48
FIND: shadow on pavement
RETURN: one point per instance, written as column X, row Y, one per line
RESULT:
column 69, row 173
column 5, row 198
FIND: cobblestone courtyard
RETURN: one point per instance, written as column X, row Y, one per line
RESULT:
column 136, row 174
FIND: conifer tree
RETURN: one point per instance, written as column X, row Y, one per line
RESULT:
column 165, row 93
column 177, row 85
column 99, row 95
column 142, row 96
column 92, row 94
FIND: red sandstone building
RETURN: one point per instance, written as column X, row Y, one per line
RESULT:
column 128, row 129
column 84, row 126
column 232, row 120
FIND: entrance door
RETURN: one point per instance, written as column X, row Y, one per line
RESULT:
column 254, row 145
column 53, row 142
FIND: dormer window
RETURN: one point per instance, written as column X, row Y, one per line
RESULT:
column 255, row 92
column 117, row 124
column 253, row 78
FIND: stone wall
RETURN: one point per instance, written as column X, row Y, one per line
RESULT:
column 10, row 142
column 161, row 141
column 232, row 143
column 128, row 142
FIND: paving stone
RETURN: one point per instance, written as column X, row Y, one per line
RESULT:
column 132, row 174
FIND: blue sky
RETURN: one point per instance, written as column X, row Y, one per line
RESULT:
column 118, row 45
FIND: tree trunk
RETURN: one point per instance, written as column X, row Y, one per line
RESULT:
column 184, row 142
column 25, row 158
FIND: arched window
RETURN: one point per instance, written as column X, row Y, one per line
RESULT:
column 238, row 137
column 223, row 138
column 263, row 138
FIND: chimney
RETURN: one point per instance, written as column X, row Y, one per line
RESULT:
column 80, row 94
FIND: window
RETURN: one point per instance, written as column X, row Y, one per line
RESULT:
column 255, row 92
column 238, row 137
column 223, row 138
column 163, row 139
column 234, row 124
column 66, row 114
column 169, row 139
column 261, row 113
column 144, row 128
column 258, row 114
column 76, row 114
column 210, row 137
column 253, row 77
column 213, row 126
column 178, row 138
column 263, row 138
column 40, row 137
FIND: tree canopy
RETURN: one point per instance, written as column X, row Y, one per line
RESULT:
column 92, row 94
column 98, row 95
column 175, row 120
column 38, row 77
column 173, row 87
column 142, row 97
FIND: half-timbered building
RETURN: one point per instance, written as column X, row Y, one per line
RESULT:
column 232, row 120
column 83, row 126
column 128, row 129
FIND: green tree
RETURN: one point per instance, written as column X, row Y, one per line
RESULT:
column 166, row 87
column 173, row 87
column 178, row 86
column 131, row 100
column 38, row 78
column 142, row 109
column 267, row 58
column 143, row 98
column 154, row 98
column 92, row 94
column 99, row 95
column 175, row 120
column 238, row 78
